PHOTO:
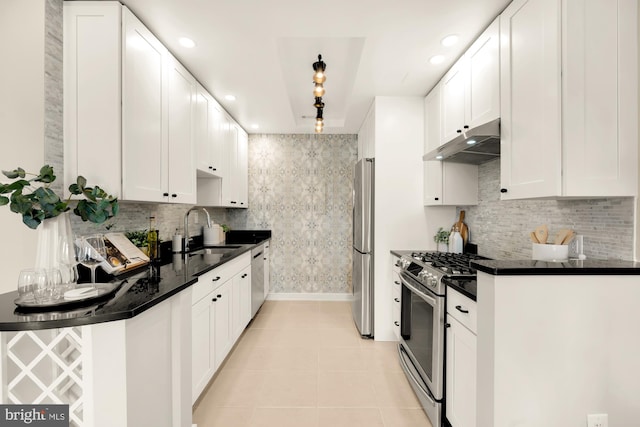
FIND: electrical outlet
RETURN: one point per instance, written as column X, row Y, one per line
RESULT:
column 576, row 246
column 598, row 420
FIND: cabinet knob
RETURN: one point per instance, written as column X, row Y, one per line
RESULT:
column 216, row 279
column 396, row 282
column 244, row 275
column 466, row 126
column 214, row 169
column 447, row 325
column 214, row 299
column 174, row 195
column 503, row 190
column 396, row 323
column 459, row 131
column 396, row 300
column 165, row 194
column 219, row 296
column 233, row 203
column 436, row 198
column 211, row 167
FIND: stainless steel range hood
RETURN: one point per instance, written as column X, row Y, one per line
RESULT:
column 474, row 146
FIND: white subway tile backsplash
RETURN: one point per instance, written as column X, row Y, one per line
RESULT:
column 501, row 228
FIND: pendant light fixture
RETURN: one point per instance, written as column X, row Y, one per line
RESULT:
column 318, row 91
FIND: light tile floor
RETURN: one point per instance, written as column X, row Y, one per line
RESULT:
column 303, row 364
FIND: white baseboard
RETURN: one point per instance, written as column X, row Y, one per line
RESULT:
column 309, row 297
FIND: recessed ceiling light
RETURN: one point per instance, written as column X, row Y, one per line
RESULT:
column 450, row 40
column 254, row 126
column 230, row 97
column 438, row 157
column 186, row 42
column 437, row 59
column 471, row 142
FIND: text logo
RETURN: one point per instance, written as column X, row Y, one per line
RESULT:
column 34, row 415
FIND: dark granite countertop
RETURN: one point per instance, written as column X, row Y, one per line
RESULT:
column 138, row 291
column 542, row 268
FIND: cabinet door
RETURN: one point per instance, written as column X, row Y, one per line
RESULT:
column 181, row 160
column 144, row 135
column 600, row 108
column 92, row 94
column 202, row 133
column 241, row 301
column 366, row 136
column 482, row 100
column 461, row 375
column 267, row 271
column 242, row 169
column 230, row 182
column 219, row 129
column 530, row 99
column 432, row 105
column 202, row 351
column 453, row 101
column 432, row 183
column 221, row 307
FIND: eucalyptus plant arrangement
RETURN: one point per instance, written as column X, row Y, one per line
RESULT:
column 38, row 203
column 441, row 236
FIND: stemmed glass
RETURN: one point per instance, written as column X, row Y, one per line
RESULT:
column 68, row 262
column 91, row 252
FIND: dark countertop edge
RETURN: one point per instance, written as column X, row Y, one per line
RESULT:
column 123, row 315
column 566, row 268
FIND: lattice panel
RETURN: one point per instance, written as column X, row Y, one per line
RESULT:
column 43, row 367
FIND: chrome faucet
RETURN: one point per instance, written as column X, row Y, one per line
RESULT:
column 186, row 225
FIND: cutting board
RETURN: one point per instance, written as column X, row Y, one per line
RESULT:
column 462, row 228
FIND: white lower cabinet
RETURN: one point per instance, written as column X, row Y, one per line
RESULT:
column 461, row 360
column 221, row 309
column 396, row 295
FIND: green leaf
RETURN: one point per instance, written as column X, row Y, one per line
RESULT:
column 18, row 185
column 115, row 207
column 46, row 196
column 46, row 175
column 20, row 203
column 30, row 221
column 81, row 181
column 3, row 200
column 19, row 172
column 75, row 189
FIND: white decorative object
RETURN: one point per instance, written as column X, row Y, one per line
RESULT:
column 52, row 234
column 545, row 252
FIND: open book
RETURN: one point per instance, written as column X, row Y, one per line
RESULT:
column 122, row 255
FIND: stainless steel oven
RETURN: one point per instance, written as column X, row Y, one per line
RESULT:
column 422, row 325
column 422, row 344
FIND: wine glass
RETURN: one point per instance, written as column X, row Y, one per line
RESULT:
column 68, row 262
column 92, row 251
column 42, row 289
column 54, row 277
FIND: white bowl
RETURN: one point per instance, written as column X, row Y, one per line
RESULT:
column 547, row 252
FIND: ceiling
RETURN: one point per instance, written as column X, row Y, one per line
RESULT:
column 262, row 51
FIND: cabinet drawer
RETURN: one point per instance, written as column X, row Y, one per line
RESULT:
column 396, row 283
column 396, row 264
column 462, row 308
column 395, row 318
column 218, row 276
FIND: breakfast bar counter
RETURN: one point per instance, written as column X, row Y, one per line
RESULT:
column 123, row 360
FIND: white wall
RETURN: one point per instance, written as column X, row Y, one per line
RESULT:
column 21, row 120
column 401, row 220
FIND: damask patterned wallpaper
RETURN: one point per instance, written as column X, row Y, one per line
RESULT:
column 300, row 187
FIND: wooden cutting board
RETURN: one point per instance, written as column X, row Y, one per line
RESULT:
column 462, row 228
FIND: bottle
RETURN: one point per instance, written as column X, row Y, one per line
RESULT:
column 176, row 243
column 456, row 241
column 152, row 239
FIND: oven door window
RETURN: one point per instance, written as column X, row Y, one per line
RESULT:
column 418, row 332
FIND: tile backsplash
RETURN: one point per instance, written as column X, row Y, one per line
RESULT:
column 501, row 228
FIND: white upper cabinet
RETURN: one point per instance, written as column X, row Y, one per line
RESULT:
column 530, row 144
column 181, row 152
column 569, row 99
column 207, row 133
column 445, row 183
column 599, row 98
column 243, row 168
column 471, row 88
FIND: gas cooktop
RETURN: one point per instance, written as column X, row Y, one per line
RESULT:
column 448, row 263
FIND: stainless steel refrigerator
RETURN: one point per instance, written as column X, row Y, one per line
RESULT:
column 362, row 276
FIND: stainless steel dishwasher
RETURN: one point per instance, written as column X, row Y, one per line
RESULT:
column 257, row 279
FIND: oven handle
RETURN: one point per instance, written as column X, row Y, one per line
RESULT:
column 431, row 300
column 406, row 369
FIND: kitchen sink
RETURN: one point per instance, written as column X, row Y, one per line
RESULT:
column 209, row 250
